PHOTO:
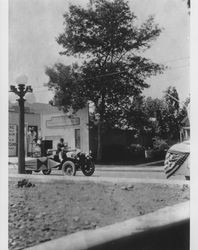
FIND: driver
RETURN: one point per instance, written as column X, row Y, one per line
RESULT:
column 60, row 145
column 61, row 149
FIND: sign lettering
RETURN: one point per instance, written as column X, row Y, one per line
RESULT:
column 61, row 121
column 12, row 141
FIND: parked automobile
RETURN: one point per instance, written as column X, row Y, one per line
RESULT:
column 177, row 160
column 74, row 160
column 71, row 162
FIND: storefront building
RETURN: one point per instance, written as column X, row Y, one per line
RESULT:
column 32, row 129
column 50, row 124
column 72, row 127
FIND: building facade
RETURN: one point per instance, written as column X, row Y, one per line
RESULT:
column 32, row 128
column 74, row 128
column 185, row 130
column 50, row 124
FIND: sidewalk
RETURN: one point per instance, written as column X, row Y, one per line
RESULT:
column 99, row 179
column 149, row 164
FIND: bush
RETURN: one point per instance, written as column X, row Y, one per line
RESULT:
column 159, row 144
column 160, row 147
column 121, row 153
column 135, row 148
column 113, row 153
column 135, row 152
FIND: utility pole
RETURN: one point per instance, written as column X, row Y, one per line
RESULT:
column 20, row 91
column 185, row 106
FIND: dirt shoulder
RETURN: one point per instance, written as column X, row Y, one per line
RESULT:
column 51, row 210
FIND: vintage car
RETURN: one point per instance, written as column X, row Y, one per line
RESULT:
column 177, row 160
column 73, row 160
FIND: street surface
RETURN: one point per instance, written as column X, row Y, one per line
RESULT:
column 131, row 172
column 56, row 205
column 143, row 171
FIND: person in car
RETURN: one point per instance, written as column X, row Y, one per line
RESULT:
column 60, row 145
column 62, row 149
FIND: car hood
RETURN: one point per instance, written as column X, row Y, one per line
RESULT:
column 183, row 147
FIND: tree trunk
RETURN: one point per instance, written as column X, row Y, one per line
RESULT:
column 101, row 108
column 99, row 146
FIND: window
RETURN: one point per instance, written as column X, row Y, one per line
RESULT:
column 77, row 138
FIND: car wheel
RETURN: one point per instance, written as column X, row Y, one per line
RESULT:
column 68, row 168
column 28, row 171
column 46, row 171
column 36, row 171
column 88, row 169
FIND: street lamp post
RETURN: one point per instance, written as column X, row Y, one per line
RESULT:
column 20, row 91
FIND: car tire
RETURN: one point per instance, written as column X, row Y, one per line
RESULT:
column 68, row 168
column 28, row 171
column 88, row 169
column 46, row 171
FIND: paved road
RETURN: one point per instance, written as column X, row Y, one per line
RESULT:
column 131, row 173
column 111, row 173
column 143, row 171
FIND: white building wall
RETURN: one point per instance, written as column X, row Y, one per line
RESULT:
column 31, row 119
column 58, row 125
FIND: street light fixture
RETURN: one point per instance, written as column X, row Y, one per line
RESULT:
column 20, row 91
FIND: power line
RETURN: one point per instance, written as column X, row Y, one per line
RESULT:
column 182, row 66
column 174, row 79
column 116, row 73
column 173, row 68
column 178, row 59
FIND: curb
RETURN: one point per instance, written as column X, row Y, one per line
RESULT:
column 129, row 233
column 52, row 179
column 139, row 165
column 130, row 169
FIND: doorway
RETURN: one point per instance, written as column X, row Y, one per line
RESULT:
column 77, row 138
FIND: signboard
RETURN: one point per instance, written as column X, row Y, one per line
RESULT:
column 61, row 121
column 12, row 141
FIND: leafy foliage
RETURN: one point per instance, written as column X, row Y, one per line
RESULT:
column 184, row 110
column 66, row 83
column 168, row 114
column 172, row 112
column 160, row 144
column 106, row 36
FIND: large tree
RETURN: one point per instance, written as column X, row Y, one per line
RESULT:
column 107, row 37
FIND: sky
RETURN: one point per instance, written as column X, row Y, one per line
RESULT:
column 34, row 25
